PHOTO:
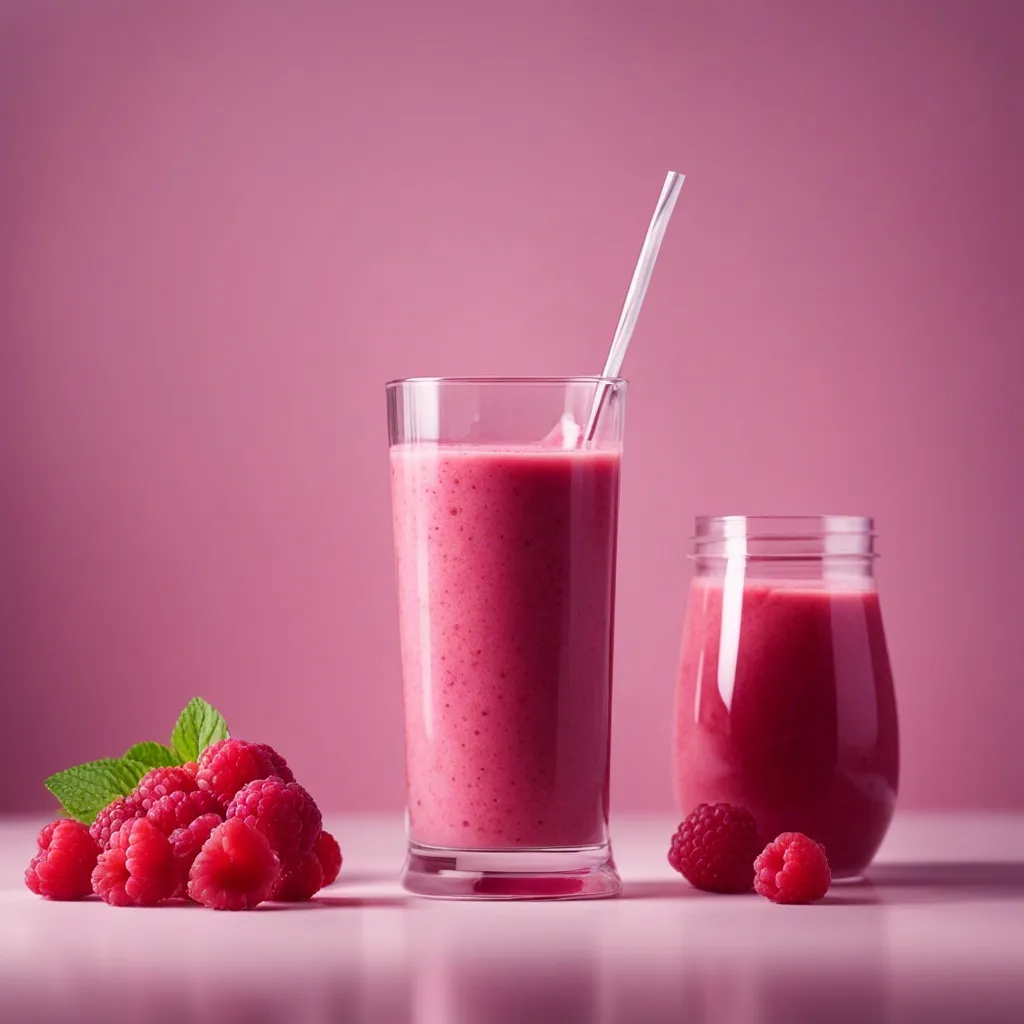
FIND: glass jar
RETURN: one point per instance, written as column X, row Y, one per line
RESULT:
column 785, row 702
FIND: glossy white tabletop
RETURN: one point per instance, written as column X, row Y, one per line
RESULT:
column 936, row 934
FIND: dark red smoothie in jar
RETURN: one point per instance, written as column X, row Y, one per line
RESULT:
column 785, row 701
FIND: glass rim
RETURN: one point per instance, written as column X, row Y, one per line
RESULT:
column 552, row 380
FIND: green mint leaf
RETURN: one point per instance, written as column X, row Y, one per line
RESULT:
column 198, row 726
column 86, row 789
column 153, row 755
column 133, row 770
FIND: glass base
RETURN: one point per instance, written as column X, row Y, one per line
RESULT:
column 852, row 877
column 582, row 873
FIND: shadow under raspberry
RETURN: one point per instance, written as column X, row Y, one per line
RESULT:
column 336, row 902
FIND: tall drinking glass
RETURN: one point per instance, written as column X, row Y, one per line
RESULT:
column 785, row 703
column 505, row 536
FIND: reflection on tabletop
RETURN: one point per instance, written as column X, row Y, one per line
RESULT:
column 919, row 940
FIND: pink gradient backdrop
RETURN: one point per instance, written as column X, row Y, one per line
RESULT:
column 223, row 226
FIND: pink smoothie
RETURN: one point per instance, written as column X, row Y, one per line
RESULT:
column 506, row 580
column 785, row 705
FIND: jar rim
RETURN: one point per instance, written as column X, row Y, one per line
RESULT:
column 789, row 525
column 790, row 537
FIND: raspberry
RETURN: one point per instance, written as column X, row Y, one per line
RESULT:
column 186, row 843
column 328, row 852
column 46, row 834
column 138, row 869
column 159, row 782
column 180, row 809
column 299, row 881
column 280, row 764
column 283, row 811
column 793, row 869
column 236, row 869
column 112, row 817
column 62, row 868
column 225, row 767
column 714, row 848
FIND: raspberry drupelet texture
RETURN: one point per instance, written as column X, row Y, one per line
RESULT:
column 792, row 869
column 235, row 870
column 186, row 843
column 328, row 852
column 46, row 833
column 283, row 811
column 180, row 809
column 299, row 881
column 62, row 869
column 109, row 821
column 279, row 763
column 160, row 782
column 225, row 767
column 714, row 848
column 138, row 868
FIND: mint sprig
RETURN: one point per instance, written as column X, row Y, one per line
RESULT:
column 153, row 755
column 198, row 726
column 83, row 791
column 86, row 789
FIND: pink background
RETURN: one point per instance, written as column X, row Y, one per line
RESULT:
column 224, row 225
